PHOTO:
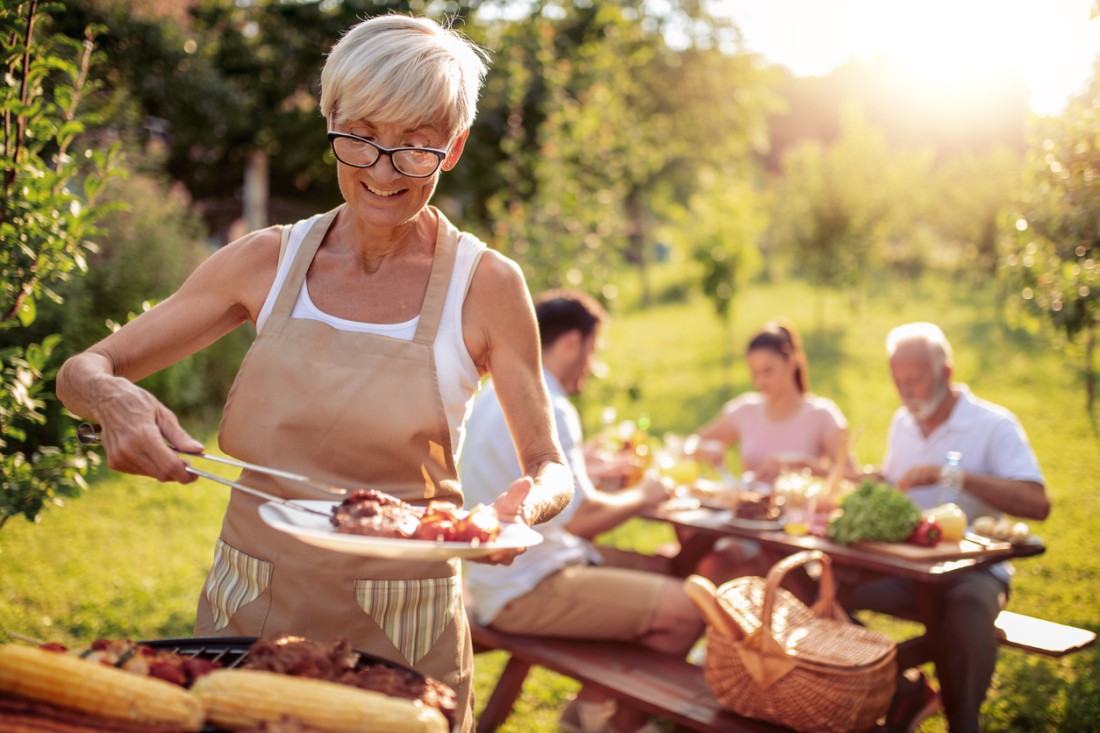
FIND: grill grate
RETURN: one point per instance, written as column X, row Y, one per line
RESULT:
column 232, row 651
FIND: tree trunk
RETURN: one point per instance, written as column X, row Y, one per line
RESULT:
column 635, row 214
column 730, row 358
column 1090, row 374
column 255, row 191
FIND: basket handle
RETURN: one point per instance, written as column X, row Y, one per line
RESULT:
column 703, row 594
column 826, row 605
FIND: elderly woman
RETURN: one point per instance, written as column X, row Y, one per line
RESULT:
column 374, row 323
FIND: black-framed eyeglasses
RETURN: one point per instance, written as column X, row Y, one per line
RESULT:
column 358, row 152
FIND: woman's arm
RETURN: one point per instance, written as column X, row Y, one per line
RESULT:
column 99, row 383
column 716, row 436
column 502, row 336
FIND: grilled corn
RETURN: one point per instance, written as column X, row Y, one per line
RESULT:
column 70, row 682
column 238, row 698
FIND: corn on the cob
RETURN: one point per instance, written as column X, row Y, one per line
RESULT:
column 74, row 683
column 238, row 698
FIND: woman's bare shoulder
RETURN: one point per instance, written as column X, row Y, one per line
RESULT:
column 495, row 269
column 497, row 281
column 242, row 270
column 497, row 307
column 258, row 248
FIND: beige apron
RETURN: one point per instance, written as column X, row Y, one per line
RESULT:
column 356, row 410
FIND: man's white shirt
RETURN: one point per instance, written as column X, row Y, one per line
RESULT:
column 487, row 466
column 988, row 438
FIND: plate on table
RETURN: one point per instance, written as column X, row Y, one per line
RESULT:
column 698, row 516
column 318, row 531
column 763, row 525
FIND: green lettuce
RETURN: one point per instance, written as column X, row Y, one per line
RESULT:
column 874, row 512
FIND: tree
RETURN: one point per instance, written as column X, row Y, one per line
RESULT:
column 47, row 217
column 977, row 191
column 233, row 93
column 599, row 119
column 720, row 225
column 839, row 206
column 1055, row 264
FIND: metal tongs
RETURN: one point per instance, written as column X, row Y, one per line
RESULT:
column 90, row 434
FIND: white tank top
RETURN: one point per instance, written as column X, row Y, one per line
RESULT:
column 455, row 368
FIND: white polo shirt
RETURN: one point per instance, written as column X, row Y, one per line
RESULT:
column 988, row 437
column 487, row 466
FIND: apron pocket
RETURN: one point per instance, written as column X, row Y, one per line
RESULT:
column 412, row 613
column 235, row 580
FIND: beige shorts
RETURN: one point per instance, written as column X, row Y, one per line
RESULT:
column 588, row 602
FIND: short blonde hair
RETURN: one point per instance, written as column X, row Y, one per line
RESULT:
column 928, row 334
column 404, row 69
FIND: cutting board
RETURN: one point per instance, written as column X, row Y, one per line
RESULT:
column 941, row 551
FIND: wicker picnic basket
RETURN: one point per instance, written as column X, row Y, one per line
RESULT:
column 810, row 669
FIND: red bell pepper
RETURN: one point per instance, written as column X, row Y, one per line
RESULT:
column 927, row 533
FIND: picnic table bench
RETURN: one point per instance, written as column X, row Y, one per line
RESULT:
column 672, row 688
column 1040, row 636
column 663, row 685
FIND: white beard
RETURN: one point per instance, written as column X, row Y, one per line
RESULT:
column 921, row 410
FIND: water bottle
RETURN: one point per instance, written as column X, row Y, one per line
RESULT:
column 951, row 478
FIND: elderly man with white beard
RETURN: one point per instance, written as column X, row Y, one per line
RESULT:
column 999, row 475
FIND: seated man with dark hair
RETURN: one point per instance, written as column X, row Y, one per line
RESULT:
column 567, row 587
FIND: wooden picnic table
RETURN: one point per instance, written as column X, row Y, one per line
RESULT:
column 856, row 564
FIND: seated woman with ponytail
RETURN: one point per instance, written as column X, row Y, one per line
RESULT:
column 780, row 427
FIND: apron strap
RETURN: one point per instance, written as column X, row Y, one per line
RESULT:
column 443, row 265
column 288, row 294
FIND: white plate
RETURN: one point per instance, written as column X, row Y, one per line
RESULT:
column 318, row 531
column 759, row 524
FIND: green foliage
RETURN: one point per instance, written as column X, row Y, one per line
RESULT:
column 1055, row 264
column 838, row 204
column 1059, row 222
column 602, row 123
column 145, row 253
column 48, row 212
column 973, row 195
column 874, row 512
column 233, row 79
column 719, row 226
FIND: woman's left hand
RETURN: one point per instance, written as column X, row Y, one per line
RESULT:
column 513, row 504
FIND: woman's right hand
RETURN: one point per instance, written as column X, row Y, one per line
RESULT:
column 135, row 426
column 710, row 451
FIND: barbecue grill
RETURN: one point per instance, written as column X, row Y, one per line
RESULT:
column 231, row 651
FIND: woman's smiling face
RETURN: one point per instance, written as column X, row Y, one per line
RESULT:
column 381, row 195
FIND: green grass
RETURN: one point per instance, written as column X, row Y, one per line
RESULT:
column 128, row 558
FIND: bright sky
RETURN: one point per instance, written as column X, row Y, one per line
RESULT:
column 1050, row 45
